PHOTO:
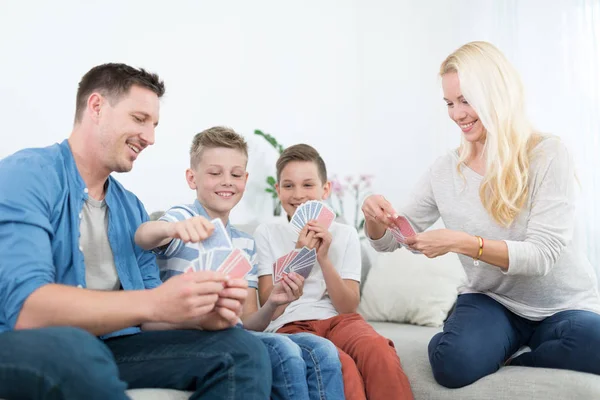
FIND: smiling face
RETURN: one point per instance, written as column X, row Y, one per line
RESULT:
column 219, row 179
column 125, row 127
column 299, row 182
column 460, row 111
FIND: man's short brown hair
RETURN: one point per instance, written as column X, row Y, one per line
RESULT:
column 217, row 136
column 302, row 152
column 113, row 81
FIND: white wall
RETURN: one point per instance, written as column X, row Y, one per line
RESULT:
column 356, row 79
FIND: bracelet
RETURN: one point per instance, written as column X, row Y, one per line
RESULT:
column 479, row 253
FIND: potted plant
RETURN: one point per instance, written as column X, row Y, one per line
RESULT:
column 271, row 181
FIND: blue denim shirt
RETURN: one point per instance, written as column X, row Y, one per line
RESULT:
column 41, row 198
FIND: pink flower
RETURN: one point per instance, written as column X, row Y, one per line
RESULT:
column 336, row 187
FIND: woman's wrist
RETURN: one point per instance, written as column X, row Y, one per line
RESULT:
column 467, row 245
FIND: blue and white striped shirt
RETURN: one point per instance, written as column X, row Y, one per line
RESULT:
column 179, row 255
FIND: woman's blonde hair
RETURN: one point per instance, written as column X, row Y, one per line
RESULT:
column 493, row 88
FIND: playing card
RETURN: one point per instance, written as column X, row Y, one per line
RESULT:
column 305, row 259
column 325, row 216
column 236, row 265
column 280, row 265
column 188, row 269
column 218, row 239
column 298, row 220
column 402, row 230
column 404, row 226
column 218, row 258
column 316, row 209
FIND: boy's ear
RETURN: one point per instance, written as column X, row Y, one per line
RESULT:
column 277, row 188
column 189, row 177
column 326, row 190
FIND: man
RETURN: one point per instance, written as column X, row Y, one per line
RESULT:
column 69, row 260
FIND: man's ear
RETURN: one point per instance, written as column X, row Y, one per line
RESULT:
column 190, row 175
column 326, row 190
column 94, row 106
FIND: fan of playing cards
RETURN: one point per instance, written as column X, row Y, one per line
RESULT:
column 402, row 230
column 300, row 261
column 216, row 253
column 310, row 210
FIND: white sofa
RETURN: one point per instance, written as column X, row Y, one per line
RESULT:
column 508, row 383
column 411, row 344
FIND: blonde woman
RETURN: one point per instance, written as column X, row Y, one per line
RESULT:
column 506, row 196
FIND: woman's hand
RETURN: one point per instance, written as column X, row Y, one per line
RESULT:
column 437, row 242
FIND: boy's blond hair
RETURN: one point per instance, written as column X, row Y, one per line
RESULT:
column 217, row 136
column 302, row 152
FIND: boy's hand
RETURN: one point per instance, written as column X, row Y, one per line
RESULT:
column 324, row 237
column 192, row 230
column 307, row 238
column 228, row 307
column 287, row 290
column 187, row 297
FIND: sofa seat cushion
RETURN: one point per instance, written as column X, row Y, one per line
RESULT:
column 508, row 383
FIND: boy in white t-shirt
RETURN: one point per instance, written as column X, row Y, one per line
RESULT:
column 327, row 307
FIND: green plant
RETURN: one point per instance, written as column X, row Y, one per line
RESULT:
column 271, row 181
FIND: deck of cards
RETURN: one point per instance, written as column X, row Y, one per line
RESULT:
column 312, row 210
column 300, row 261
column 402, row 230
column 216, row 253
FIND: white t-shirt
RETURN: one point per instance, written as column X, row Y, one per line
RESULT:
column 273, row 240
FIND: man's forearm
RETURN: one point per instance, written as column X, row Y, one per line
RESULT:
column 98, row 312
column 152, row 234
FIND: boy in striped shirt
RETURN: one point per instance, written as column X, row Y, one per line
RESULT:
column 303, row 365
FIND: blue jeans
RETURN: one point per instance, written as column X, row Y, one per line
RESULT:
column 227, row 364
column 305, row 366
column 481, row 335
column 57, row 364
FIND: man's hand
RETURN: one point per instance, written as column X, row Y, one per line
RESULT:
column 287, row 290
column 187, row 297
column 228, row 307
column 192, row 230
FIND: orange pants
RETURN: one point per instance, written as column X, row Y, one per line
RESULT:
column 370, row 366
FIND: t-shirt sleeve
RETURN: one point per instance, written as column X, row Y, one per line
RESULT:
column 26, row 204
column 252, row 276
column 174, row 214
column 551, row 219
column 264, row 252
column 351, row 258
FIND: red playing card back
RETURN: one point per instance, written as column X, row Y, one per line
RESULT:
column 404, row 226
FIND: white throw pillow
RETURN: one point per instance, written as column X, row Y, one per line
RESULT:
column 411, row 288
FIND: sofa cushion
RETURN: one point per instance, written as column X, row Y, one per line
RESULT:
column 407, row 287
column 508, row 383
